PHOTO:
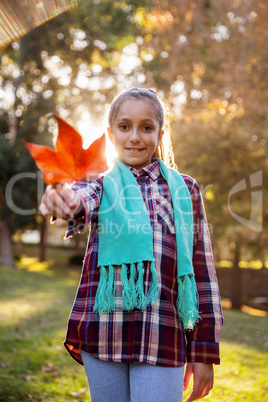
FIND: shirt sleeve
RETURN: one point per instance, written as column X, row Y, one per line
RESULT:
column 90, row 194
column 203, row 340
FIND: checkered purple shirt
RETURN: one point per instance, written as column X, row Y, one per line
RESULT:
column 155, row 335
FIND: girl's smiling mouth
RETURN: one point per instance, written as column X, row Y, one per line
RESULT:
column 134, row 150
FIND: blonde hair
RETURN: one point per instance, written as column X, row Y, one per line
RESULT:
column 165, row 150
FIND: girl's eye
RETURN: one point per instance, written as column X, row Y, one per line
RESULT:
column 147, row 128
column 124, row 127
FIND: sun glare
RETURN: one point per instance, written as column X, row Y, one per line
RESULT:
column 90, row 132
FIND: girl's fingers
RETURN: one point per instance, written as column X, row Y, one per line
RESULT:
column 92, row 176
column 59, row 206
column 69, row 196
column 203, row 380
column 43, row 209
column 196, row 393
column 187, row 376
column 52, row 203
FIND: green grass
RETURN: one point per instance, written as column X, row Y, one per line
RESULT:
column 35, row 301
column 35, row 304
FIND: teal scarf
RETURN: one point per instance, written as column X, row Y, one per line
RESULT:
column 126, row 240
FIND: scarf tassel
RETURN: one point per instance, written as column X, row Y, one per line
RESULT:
column 141, row 300
column 101, row 296
column 187, row 301
column 128, row 291
column 152, row 296
column 105, row 296
column 132, row 288
column 110, row 289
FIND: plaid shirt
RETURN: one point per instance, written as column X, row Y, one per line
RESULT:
column 155, row 335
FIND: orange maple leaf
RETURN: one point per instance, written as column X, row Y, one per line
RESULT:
column 70, row 161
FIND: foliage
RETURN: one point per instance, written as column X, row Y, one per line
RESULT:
column 50, row 70
column 207, row 59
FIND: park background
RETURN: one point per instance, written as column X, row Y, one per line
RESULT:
column 208, row 60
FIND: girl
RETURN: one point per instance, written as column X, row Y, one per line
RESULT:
column 136, row 320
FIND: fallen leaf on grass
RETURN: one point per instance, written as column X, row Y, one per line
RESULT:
column 30, row 396
column 78, row 394
column 70, row 161
column 28, row 378
column 48, row 368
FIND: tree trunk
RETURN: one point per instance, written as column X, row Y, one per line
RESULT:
column 6, row 254
column 236, row 279
column 43, row 240
column 13, row 127
column 18, row 244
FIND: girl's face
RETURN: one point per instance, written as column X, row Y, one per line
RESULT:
column 135, row 132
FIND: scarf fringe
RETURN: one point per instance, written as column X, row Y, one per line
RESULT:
column 187, row 301
column 153, row 291
column 133, row 292
column 110, row 289
column 141, row 300
column 101, row 296
column 132, row 288
column 128, row 291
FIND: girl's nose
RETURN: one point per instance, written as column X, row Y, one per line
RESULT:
column 134, row 136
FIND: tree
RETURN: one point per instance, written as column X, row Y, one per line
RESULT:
column 210, row 60
column 207, row 59
column 66, row 67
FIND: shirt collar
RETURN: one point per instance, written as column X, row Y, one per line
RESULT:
column 152, row 170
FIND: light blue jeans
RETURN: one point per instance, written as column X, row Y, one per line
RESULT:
column 139, row 382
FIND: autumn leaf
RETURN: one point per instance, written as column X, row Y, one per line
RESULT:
column 49, row 367
column 70, row 161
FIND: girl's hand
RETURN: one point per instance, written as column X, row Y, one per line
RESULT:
column 60, row 201
column 203, row 376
